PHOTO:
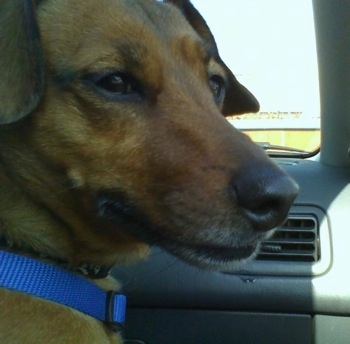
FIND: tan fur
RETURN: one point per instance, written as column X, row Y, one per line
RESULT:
column 172, row 153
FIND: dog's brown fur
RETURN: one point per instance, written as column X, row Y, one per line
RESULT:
column 168, row 151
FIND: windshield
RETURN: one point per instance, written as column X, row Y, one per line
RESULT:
column 270, row 47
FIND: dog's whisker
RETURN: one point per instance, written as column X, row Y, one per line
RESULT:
column 169, row 265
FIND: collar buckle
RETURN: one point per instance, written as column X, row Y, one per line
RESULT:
column 115, row 310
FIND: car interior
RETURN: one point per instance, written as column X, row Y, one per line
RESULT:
column 297, row 289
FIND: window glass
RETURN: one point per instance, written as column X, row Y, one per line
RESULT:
column 270, row 47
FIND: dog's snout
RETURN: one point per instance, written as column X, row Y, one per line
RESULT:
column 265, row 197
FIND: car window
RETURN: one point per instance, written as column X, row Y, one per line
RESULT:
column 270, row 47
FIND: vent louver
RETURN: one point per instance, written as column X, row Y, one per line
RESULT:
column 296, row 240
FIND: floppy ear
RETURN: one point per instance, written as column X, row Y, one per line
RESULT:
column 21, row 60
column 238, row 99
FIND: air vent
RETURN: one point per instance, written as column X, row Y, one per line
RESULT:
column 297, row 240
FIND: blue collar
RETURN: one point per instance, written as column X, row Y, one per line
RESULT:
column 49, row 282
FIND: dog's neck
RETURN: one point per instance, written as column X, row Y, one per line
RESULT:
column 86, row 269
column 29, row 229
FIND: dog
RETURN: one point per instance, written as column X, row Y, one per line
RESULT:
column 113, row 138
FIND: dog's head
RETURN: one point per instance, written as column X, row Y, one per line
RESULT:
column 121, row 104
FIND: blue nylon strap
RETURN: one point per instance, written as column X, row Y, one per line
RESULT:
column 49, row 282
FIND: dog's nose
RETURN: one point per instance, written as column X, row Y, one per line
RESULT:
column 265, row 197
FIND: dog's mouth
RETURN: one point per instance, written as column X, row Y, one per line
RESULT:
column 220, row 253
column 219, row 256
column 215, row 257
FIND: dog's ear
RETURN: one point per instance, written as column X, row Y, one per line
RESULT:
column 21, row 60
column 238, row 99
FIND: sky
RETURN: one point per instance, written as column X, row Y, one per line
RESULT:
column 270, row 47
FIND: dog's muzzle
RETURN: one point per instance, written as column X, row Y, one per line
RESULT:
column 258, row 201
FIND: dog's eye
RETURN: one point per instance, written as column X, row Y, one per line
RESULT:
column 217, row 86
column 114, row 85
